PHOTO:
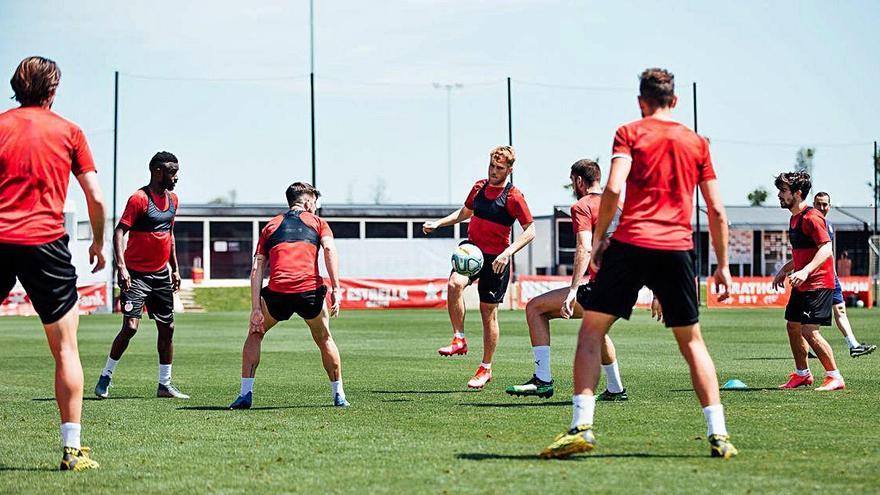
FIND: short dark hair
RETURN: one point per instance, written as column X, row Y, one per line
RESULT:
column 588, row 170
column 796, row 181
column 297, row 190
column 162, row 158
column 823, row 193
column 34, row 81
column 657, row 86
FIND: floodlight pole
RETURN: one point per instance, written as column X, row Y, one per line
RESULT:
column 448, row 87
column 510, row 143
column 312, row 84
column 699, row 240
column 876, row 191
column 113, row 225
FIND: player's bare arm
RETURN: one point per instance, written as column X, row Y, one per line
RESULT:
column 583, row 249
column 458, row 216
column 779, row 278
column 718, row 232
column 172, row 260
column 257, row 320
column 95, row 201
column 825, row 251
column 122, row 275
column 527, row 236
column 620, row 167
column 331, row 261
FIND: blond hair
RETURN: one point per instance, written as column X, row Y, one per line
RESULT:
column 503, row 152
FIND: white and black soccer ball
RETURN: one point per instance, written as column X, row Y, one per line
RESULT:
column 467, row 260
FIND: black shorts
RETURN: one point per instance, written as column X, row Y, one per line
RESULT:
column 282, row 306
column 626, row 269
column 154, row 290
column 491, row 286
column 583, row 294
column 812, row 307
column 46, row 273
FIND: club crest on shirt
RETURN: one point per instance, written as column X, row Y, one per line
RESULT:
column 129, row 306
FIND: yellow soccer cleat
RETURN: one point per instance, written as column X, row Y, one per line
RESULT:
column 77, row 460
column 721, row 447
column 574, row 441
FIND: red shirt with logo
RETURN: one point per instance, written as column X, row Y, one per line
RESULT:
column 38, row 151
column 811, row 233
column 668, row 161
column 149, row 247
column 585, row 216
column 493, row 238
column 293, row 266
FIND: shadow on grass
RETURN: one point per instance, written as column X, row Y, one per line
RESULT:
column 35, row 469
column 396, row 400
column 478, row 456
column 121, row 397
column 259, row 408
column 749, row 389
column 517, row 404
column 788, row 358
column 426, row 392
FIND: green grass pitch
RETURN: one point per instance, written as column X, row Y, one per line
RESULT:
column 415, row 428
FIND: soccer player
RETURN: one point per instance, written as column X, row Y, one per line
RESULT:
column 567, row 302
column 822, row 203
column 661, row 162
column 290, row 242
column 493, row 205
column 143, row 273
column 38, row 151
column 811, row 274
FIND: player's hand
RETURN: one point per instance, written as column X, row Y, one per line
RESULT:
column 257, row 322
column 567, row 310
column 124, row 278
column 799, row 277
column 599, row 247
column 500, row 263
column 96, row 256
column 656, row 310
column 429, row 227
column 722, row 282
column 175, row 280
column 779, row 280
column 335, row 302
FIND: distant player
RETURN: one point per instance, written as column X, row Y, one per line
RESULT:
column 567, row 302
column 290, row 244
column 822, row 203
column 495, row 204
column 143, row 273
column 661, row 162
column 38, row 151
column 811, row 274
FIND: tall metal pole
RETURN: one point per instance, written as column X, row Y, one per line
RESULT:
column 876, row 191
column 510, row 143
column 449, row 144
column 115, row 147
column 312, row 83
column 699, row 243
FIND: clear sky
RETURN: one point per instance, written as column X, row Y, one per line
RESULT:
column 223, row 84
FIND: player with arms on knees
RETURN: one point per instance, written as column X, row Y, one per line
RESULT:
column 822, row 203
column 142, row 271
column 661, row 162
column 290, row 243
column 811, row 274
column 38, row 151
column 493, row 205
column 568, row 302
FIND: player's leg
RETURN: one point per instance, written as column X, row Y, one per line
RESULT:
column 320, row 329
column 802, row 376
column 250, row 354
column 161, row 304
column 456, row 307
column 132, row 304
column 833, row 379
column 614, row 389
column 841, row 319
column 489, row 316
column 539, row 311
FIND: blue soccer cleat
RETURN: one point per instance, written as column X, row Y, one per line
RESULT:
column 339, row 401
column 102, row 389
column 243, row 401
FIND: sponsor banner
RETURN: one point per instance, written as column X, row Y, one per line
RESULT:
column 758, row 292
column 531, row 286
column 92, row 298
column 373, row 293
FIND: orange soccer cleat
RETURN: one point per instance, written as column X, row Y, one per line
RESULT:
column 831, row 383
column 795, row 381
column 481, row 378
column 458, row 346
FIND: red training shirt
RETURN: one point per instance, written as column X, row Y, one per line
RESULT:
column 814, row 228
column 493, row 238
column 668, row 162
column 585, row 216
column 147, row 251
column 293, row 266
column 38, row 151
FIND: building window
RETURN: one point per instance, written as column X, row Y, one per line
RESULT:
column 447, row 232
column 386, row 230
column 346, row 230
column 231, row 249
column 189, row 241
column 83, row 231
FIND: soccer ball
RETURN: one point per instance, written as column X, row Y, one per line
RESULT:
column 860, row 303
column 467, row 260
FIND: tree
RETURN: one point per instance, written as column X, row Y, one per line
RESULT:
column 228, row 200
column 804, row 160
column 380, row 192
column 758, row 196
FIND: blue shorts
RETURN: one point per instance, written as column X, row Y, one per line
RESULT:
column 837, row 296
